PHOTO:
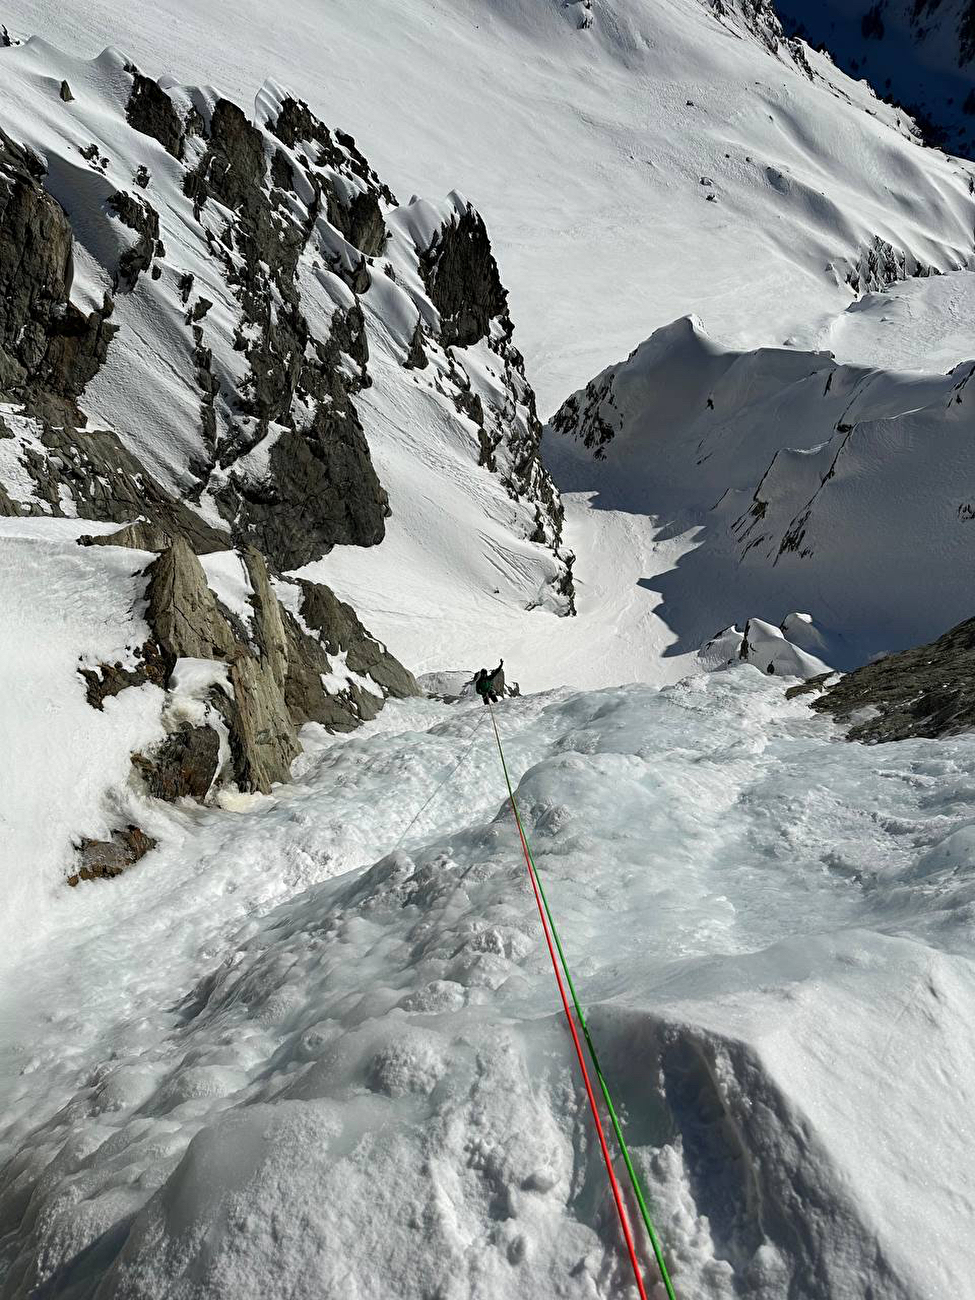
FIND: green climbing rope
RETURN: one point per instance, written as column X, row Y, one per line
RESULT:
column 604, row 1087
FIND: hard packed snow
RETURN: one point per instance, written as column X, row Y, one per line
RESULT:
column 368, row 1087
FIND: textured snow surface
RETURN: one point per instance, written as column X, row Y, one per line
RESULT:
column 582, row 152
column 368, row 1088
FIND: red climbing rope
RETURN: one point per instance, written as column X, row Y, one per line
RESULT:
column 617, row 1195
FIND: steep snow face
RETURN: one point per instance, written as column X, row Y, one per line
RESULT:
column 634, row 161
column 918, row 52
column 263, row 276
column 793, row 481
column 65, row 607
column 369, row 1089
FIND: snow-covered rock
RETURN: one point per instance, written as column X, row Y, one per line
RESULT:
column 258, row 277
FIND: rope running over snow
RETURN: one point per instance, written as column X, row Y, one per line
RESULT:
column 551, row 931
column 447, row 779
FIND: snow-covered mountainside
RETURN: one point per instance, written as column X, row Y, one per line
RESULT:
column 920, row 53
column 667, row 158
column 796, row 482
column 277, row 1018
column 249, row 280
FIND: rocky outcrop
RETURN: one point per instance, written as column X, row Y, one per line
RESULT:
column 356, row 211
column 91, row 475
column 141, row 217
column 182, row 610
column 336, row 631
column 337, row 627
column 152, row 112
column 105, row 680
column 928, row 691
column 462, row 279
column 287, row 666
column 138, row 536
column 48, row 348
column 761, row 18
column 322, row 491
column 184, row 765
column 321, row 488
column 880, row 265
column 583, row 415
column 103, row 859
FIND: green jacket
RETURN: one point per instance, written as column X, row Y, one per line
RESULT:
column 490, row 684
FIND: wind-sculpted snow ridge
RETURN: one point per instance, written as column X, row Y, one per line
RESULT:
column 368, row 1089
column 258, row 278
column 791, row 650
column 794, row 481
column 633, row 160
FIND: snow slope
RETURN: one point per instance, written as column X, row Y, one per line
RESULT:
column 917, row 52
column 368, row 1087
column 788, row 482
column 583, row 152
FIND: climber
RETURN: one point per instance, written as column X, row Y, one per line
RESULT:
column 490, row 686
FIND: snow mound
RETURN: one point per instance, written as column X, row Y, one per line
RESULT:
column 775, row 650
